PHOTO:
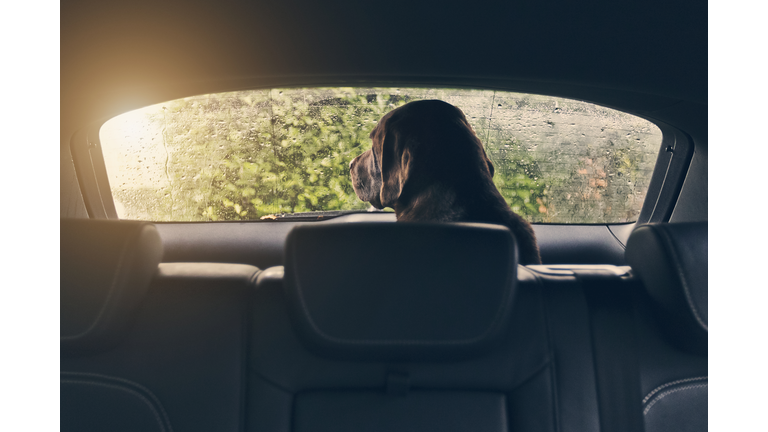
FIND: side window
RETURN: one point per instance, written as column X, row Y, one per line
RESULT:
column 254, row 155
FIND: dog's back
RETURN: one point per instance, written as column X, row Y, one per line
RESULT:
column 499, row 212
column 481, row 202
column 428, row 164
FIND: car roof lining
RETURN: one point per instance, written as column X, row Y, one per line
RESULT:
column 656, row 54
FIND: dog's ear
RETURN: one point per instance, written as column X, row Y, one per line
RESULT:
column 396, row 154
column 395, row 168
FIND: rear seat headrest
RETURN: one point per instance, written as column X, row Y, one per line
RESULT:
column 400, row 291
column 106, row 267
column 671, row 260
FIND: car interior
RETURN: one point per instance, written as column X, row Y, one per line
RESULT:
column 354, row 322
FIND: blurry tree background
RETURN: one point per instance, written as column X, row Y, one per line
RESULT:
column 250, row 154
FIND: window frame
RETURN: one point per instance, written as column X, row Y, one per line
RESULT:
column 91, row 172
column 674, row 158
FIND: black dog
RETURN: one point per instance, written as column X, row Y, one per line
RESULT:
column 427, row 163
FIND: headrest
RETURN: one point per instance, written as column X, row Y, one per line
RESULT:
column 400, row 291
column 106, row 267
column 671, row 260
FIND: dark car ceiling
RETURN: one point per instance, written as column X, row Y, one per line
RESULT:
column 643, row 57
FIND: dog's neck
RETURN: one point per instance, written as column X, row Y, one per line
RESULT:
column 439, row 202
column 480, row 203
column 434, row 203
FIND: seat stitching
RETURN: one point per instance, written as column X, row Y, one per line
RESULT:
column 663, row 386
column 131, row 391
column 668, row 392
column 127, row 381
column 115, row 279
column 686, row 290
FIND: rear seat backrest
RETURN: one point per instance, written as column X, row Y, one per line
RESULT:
column 105, row 272
column 399, row 327
column 671, row 260
column 166, row 353
column 387, row 326
column 106, row 269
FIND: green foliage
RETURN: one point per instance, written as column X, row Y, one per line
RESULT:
column 243, row 155
column 249, row 154
column 519, row 178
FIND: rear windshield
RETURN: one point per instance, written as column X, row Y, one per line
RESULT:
column 280, row 153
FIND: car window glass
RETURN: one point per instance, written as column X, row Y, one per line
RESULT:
column 265, row 154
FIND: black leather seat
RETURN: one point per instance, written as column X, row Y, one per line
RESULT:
column 106, row 269
column 147, row 347
column 399, row 327
column 372, row 327
column 671, row 260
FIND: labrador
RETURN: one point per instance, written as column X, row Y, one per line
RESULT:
column 428, row 164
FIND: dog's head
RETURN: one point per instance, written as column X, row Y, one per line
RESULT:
column 421, row 142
